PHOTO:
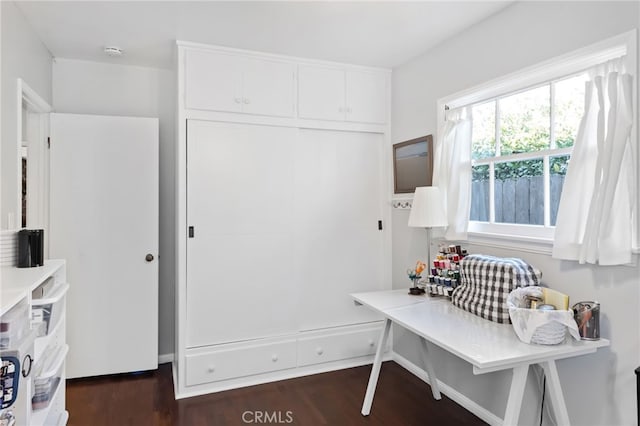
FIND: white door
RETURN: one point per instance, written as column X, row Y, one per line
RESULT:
column 268, row 87
column 240, row 182
column 321, row 93
column 104, row 222
column 366, row 94
column 338, row 246
column 213, row 81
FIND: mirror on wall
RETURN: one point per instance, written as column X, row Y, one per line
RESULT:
column 412, row 164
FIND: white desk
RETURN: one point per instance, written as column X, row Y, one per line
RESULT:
column 487, row 345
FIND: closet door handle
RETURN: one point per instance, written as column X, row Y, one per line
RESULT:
column 149, row 257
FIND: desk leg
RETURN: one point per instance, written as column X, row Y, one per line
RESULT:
column 555, row 392
column 514, row 403
column 426, row 359
column 375, row 369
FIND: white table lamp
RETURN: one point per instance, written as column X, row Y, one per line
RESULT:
column 428, row 211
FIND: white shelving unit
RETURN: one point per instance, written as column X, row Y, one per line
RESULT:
column 50, row 349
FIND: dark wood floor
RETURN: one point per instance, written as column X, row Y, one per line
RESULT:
column 324, row 399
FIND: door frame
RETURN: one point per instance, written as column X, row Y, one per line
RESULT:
column 36, row 121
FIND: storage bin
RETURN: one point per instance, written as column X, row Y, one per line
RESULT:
column 44, row 289
column 13, row 325
column 536, row 326
column 46, row 313
column 47, row 378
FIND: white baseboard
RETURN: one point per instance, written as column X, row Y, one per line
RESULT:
column 450, row 392
column 165, row 358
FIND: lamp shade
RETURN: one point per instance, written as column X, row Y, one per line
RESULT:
column 427, row 209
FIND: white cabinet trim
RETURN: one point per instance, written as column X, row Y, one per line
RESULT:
column 292, row 59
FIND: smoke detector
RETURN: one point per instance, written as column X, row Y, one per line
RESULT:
column 113, row 51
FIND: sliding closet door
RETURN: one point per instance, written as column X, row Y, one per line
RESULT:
column 338, row 246
column 240, row 184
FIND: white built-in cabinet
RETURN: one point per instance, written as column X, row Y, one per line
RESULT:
column 330, row 93
column 236, row 83
column 281, row 214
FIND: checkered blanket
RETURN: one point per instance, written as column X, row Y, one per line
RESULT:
column 486, row 283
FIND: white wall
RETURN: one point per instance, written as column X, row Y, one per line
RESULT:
column 23, row 56
column 599, row 388
column 98, row 88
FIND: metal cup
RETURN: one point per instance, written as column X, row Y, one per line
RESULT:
column 587, row 316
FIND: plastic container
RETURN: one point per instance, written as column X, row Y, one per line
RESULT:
column 47, row 378
column 46, row 313
column 44, row 289
column 13, row 326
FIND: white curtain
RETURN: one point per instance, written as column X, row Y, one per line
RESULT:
column 452, row 170
column 596, row 222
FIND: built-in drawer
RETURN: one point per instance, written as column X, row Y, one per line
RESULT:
column 230, row 361
column 330, row 346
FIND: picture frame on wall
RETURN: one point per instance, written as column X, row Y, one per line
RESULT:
column 412, row 164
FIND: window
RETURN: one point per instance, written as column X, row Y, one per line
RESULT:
column 521, row 145
column 523, row 129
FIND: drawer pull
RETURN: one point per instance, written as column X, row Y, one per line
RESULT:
column 319, row 351
column 211, row 369
column 274, row 358
column 371, row 343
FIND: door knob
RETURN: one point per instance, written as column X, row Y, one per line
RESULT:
column 149, row 257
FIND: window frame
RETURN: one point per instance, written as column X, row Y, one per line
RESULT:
column 538, row 238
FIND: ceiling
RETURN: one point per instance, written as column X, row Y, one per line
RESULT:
column 383, row 34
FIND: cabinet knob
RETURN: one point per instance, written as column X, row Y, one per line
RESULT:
column 348, row 109
column 238, row 100
column 211, row 369
column 247, row 101
column 340, row 109
column 319, row 351
column 372, row 343
column 274, row 357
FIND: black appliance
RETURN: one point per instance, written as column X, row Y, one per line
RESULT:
column 30, row 248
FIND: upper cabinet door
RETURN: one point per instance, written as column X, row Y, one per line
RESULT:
column 268, row 87
column 213, row 81
column 366, row 97
column 321, row 93
column 251, row 84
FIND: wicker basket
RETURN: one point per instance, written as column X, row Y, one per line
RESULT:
column 539, row 327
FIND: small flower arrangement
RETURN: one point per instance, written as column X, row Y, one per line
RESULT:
column 414, row 274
